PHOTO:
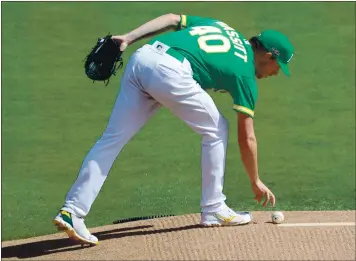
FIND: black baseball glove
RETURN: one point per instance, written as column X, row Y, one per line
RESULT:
column 101, row 62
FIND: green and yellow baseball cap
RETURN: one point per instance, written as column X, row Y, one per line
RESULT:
column 280, row 47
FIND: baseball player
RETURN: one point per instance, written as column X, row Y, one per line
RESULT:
column 175, row 70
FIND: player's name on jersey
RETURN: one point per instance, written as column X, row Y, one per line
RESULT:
column 234, row 37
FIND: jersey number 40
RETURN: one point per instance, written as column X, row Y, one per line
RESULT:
column 212, row 40
column 224, row 45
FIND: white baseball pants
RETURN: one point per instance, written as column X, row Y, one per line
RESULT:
column 153, row 78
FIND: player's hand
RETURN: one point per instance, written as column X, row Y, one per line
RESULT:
column 261, row 191
column 122, row 40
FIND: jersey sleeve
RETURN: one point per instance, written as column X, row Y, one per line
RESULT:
column 187, row 21
column 244, row 95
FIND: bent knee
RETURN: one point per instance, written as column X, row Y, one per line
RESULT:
column 220, row 132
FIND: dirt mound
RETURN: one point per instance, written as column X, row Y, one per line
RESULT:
column 328, row 235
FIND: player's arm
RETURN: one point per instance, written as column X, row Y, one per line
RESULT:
column 158, row 25
column 245, row 95
column 248, row 145
column 248, row 151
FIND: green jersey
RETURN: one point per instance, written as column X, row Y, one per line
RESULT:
column 220, row 57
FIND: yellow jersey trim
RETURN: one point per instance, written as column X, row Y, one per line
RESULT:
column 244, row 109
column 184, row 21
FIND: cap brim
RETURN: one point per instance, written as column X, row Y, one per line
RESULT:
column 284, row 68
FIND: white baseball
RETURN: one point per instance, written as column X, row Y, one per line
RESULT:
column 277, row 217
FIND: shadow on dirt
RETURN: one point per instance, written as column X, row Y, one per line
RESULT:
column 46, row 247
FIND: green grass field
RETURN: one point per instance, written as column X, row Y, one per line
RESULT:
column 52, row 115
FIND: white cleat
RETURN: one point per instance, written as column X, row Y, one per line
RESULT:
column 74, row 227
column 225, row 217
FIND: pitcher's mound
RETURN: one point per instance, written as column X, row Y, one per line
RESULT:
column 322, row 235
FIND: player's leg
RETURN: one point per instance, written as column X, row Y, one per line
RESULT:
column 132, row 109
column 187, row 100
column 172, row 84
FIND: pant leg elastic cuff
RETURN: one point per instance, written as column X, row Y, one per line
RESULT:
column 73, row 210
